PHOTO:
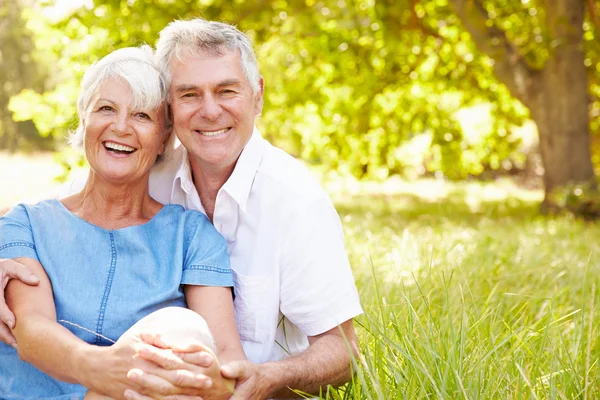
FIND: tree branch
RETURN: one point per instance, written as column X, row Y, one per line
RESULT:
column 593, row 16
column 416, row 23
column 509, row 65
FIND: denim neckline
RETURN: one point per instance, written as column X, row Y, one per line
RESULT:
column 65, row 209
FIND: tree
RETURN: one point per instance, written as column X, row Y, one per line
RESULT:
column 350, row 82
column 19, row 70
column 556, row 93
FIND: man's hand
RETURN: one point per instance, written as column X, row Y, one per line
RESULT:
column 10, row 269
column 250, row 384
column 174, row 371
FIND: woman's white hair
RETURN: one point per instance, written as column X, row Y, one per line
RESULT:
column 137, row 67
column 181, row 38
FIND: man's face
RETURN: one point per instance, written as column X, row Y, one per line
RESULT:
column 213, row 107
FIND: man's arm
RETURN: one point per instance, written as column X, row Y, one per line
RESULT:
column 327, row 361
column 11, row 269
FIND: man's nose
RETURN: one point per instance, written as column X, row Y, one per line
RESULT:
column 210, row 108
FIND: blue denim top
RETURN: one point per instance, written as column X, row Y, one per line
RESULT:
column 106, row 280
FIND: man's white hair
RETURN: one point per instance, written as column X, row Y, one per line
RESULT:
column 135, row 66
column 180, row 38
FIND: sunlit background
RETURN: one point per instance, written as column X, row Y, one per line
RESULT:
column 426, row 121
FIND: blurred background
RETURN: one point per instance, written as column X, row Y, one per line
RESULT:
column 439, row 127
column 448, row 89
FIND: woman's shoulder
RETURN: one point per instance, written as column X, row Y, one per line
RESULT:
column 189, row 219
column 44, row 208
column 180, row 212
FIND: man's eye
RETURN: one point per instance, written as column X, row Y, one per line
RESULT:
column 227, row 91
column 189, row 95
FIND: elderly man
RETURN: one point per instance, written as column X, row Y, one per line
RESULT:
column 295, row 297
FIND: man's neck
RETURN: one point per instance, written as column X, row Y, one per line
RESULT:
column 208, row 182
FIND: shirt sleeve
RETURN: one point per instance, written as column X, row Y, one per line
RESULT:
column 317, row 287
column 206, row 261
column 16, row 237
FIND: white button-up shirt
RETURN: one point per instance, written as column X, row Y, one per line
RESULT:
column 291, row 272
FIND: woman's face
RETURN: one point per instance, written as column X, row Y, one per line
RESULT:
column 121, row 144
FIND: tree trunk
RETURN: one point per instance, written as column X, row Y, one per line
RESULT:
column 560, row 100
column 557, row 96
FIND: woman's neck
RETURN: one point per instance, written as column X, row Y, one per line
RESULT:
column 113, row 205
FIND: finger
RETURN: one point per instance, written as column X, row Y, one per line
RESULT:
column 133, row 395
column 16, row 270
column 189, row 347
column 154, row 339
column 171, row 382
column 6, row 336
column 200, row 358
column 7, row 318
column 157, row 340
column 235, row 370
column 167, row 359
column 161, row 357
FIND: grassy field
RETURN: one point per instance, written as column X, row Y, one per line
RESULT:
column 468, row 292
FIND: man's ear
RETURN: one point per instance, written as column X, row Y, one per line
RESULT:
column 260, row 96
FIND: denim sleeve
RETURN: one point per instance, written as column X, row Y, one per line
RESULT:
column 206, row 261
column 16, row 237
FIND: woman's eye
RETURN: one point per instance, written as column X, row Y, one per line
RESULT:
column 143, row 115
column 105, row 108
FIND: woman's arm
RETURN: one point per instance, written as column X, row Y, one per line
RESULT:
column 42, row 340
column 215, row 305
column 40, row 337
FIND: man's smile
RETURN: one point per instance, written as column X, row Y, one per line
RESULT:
column 213, row 133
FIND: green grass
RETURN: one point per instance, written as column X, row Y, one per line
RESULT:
column 468, row 292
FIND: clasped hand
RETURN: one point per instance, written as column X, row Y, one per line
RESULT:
column 169, row 371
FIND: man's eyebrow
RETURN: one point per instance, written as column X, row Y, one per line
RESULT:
column 184, row 88
column 229, row 82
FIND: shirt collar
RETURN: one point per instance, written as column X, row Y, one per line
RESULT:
column 240, row 182
column 183, row 176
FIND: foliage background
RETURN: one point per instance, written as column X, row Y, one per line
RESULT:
column 468, row 292
column 367, row 87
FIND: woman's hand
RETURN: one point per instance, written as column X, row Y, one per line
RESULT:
column 104, row 369
column 174, row 370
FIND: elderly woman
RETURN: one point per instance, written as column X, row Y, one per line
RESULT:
column 110, row 255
